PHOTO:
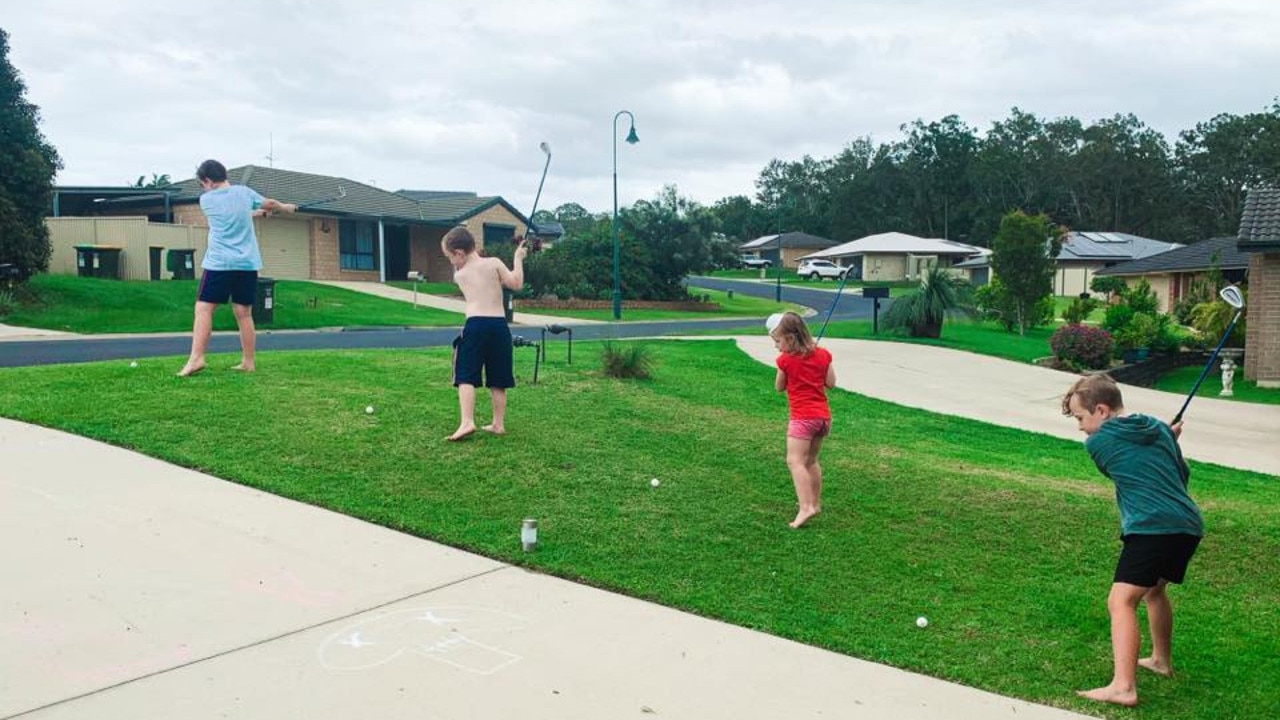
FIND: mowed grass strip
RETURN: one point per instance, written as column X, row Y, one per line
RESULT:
column 1005, row 540
column 95, row 305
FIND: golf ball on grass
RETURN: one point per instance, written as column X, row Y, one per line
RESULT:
column 922, row 621
column 654, row 482
column 133, row 364
column 369, row 410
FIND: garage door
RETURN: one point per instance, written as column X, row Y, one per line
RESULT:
column 286, row 248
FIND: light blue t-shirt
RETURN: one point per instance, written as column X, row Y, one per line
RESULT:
column 232, row 242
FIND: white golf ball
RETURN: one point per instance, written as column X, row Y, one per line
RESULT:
column 654, row 482
column 922, row 621
column 133, row 364
column 369, row 410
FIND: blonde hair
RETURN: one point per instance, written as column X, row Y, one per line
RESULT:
column 793, row 335
column 1094, row 390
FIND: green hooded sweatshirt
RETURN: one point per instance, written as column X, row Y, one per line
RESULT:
column 1141, row 456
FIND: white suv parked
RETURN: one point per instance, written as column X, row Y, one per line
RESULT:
column 819, row 269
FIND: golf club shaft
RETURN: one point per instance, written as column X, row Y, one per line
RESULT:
column 1207, row 366
column 843, row 279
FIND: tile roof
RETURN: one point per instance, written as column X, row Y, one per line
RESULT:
column 1260, row 221
column 896, row 242
column 789, row 240
column 320, row 194
column 1189, row 258
column 1110, row 246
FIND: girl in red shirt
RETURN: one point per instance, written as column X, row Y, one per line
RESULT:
column 805, row 373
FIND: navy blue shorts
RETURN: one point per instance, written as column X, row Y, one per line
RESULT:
column 485, row 344
column 238, row 286
column 1148, row 559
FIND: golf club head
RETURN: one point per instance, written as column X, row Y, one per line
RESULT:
column 772, row 321
column 545, row 147
column 1232, row 296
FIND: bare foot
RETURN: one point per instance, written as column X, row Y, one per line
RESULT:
column 1109, row 694
column 242, row 368
column 1158, row 668
column 803, row 517
column 189, row 369
column 463, row 432
column 495, row 429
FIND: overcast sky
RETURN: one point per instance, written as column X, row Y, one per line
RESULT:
column 458, row 95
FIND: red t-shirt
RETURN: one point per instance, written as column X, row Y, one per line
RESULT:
column 807, row 383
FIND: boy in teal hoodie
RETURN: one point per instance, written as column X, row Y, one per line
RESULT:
column 1160, row 525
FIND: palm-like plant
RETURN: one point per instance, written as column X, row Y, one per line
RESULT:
column 923, row 310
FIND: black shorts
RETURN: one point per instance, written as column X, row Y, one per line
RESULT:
column 239, row 286
column 1148, row 559
column 485, row 343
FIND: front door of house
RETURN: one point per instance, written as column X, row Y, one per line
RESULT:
column 397, row 239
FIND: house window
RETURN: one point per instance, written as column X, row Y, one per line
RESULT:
column 357, row 245
column 495, row 235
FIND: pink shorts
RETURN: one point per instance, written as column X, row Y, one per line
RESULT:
column 809, row 428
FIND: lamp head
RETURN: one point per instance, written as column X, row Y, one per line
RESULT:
column 1232, row 296
column 632, row 138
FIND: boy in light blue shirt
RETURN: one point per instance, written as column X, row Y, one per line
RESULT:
column 231, row 262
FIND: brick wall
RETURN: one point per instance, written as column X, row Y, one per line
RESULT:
column 425, row 255
column 496, row 215
column 1262, row 336
column 189, row 214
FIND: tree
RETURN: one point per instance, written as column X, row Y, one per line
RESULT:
column 156, row 181
column 1219, row 160
column 1023, row 258
column 922, row 311
column 27, row 167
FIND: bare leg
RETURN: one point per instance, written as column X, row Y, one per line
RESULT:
column 467, row 412
column 798, row 464
column 200, row 332
column 815, row 474
column 248, row 336
column 1122, row 604
column 499, row 425
column 1160, row 619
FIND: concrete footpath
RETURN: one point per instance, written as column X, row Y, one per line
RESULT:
column 136, row 589
column 1002, row 392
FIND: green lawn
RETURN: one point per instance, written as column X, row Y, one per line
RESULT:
column 94, row 305
column 1005, row 540
column 446, row 289
column 1183, row 379
column 1062, row 302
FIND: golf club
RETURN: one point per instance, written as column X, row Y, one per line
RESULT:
column 1231, row 295
column 342, row 192
column 546, row 149
column 843, row 278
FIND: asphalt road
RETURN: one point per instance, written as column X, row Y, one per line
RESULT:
column 18, row 353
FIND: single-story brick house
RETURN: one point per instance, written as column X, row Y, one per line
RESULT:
column 791, row 245
column 1171, row 274
column 1260, row 237
column 344, row 230
column 1083, row 254
column 895, row 256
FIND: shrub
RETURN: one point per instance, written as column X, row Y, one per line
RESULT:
column 1141, row 298
column 1116, row 318
column 627, row 361
column 1139, row 332
column 1079, row 309
column 8, row 302
column 1109, row 284
column 1212, row 318
column 923, row 310
column 1079, row 347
